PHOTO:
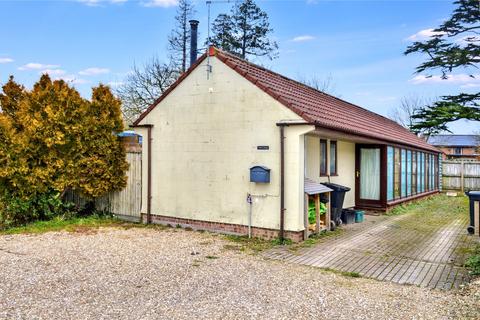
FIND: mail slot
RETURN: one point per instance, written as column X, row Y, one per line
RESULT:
column 260, row 174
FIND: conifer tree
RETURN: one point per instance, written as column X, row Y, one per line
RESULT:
column 245, row 31
column 455, row 45
column 179, row 38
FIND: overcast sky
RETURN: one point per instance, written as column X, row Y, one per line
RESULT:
column 359, row 44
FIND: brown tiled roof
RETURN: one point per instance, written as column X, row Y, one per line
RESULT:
column 312, row 105
column 323, row 109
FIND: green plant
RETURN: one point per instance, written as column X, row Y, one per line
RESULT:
column 473, row 261
column 15, row 211
column 351, row 274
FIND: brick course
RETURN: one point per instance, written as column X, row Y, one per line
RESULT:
column 227, row 228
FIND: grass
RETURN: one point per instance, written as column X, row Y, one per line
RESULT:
column 343, row 273
column 83, row 224
column 252, row 245
column 431, row 213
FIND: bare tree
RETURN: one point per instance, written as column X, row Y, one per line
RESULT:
column 408, row 107
column 326, row 85
column 178, row 40
column 144, row 85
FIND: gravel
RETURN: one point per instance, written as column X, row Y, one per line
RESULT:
column 142, row 273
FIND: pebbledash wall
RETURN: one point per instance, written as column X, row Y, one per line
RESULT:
column 204, row 140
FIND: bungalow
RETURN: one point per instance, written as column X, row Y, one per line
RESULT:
column 226, row 115
column 457, row 146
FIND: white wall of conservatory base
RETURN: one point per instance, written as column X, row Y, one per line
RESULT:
column 205, row 136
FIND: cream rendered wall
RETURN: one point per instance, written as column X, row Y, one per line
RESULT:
column 345, row 163
column 204, row 140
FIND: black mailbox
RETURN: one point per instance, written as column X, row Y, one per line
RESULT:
column 260, row 174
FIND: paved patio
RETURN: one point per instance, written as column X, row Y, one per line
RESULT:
column 391, row 249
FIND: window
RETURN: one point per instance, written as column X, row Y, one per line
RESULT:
column 404, row 173
column 457, row 151
column 333, row 158
column 390, row 172
column 323, row 157
column 427, row 172
column 396, row 183
column 414, row 172
column 409, row 173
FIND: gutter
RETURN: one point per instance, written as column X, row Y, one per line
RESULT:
column 282, row 126
column 149, row 170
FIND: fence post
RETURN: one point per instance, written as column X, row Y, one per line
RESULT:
column 462, row 176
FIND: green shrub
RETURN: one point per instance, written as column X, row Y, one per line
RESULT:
column 16, row 211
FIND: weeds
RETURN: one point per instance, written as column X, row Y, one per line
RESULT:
column 252, row 245
column 473, row 261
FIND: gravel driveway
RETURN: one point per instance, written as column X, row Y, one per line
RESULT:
column 141, row 273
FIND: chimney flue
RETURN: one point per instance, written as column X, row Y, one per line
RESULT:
column 193, row 41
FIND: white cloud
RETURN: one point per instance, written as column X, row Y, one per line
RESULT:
column 37, row 66
column 467, row 40
column 464, row 80
column 96, row 3
column 160, row 3
column 303, row 38
column 6, row 60
column 424, row 35
column 94, row 71
column 115, row 84
column 53, row 72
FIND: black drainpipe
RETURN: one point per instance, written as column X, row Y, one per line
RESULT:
column 193, row 41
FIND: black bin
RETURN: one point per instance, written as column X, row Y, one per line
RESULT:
column 337, row 198
column 473, row 196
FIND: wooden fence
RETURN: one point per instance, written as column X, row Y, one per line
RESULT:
column 126, row 204
column 461, row 175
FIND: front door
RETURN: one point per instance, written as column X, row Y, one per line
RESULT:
column 368, row 176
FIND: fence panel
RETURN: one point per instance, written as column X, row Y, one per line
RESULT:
column 126, row 203
column 461, row 175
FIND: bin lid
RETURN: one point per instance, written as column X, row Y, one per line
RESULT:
column 336, row 187
column 473, row 195
column 311, row 187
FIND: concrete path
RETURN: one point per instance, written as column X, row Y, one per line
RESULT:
column 384, row 248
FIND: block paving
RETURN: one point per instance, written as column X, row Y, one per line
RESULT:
column 380, row 249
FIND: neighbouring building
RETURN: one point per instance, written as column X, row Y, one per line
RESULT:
column 225, row 116
column 457, row 146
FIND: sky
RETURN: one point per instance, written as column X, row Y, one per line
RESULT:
column 358, row 44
